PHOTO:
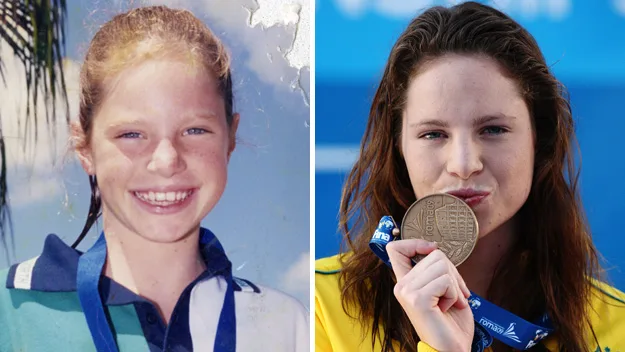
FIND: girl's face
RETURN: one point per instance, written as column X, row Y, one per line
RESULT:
column 160, row 146
column 467, row 131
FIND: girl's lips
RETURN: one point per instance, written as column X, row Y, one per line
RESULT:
column 171, row 208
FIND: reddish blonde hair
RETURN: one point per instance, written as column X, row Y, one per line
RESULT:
column 144, row 33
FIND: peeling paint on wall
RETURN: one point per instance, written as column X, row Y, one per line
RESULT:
column 295, row 13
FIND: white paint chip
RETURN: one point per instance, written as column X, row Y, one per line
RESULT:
column 270, row 13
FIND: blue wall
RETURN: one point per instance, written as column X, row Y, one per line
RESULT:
column 584, row 41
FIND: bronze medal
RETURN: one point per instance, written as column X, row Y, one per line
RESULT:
column 446, row 220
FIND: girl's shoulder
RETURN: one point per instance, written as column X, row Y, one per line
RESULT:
column 269, row 319
column 39, row 303
column 259, row 299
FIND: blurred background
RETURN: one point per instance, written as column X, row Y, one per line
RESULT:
column 583, row 42
column 262, row 220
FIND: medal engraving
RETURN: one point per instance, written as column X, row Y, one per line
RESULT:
column 446, row 220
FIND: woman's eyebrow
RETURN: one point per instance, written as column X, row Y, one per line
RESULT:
column 480, row 120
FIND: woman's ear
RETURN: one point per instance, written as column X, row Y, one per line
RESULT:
column 82, row 148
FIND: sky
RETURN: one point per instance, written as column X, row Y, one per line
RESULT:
column 262, row 220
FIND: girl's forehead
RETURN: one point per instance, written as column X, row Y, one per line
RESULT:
column 164, row 87
column 159, row 71
column 120, row 117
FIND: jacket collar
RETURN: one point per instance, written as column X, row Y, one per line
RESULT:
column 54, row 270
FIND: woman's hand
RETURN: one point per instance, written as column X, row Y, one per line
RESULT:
column 433, row 294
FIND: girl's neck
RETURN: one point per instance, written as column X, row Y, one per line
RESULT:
column 158, row 272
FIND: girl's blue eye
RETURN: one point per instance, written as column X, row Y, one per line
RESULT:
column 196, row 130
column 130, row 135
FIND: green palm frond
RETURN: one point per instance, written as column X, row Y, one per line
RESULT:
column 35, row 30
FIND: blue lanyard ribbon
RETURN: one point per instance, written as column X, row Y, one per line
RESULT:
column 490, row 320
column 90, row 265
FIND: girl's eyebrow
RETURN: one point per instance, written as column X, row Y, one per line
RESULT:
column 116, row 124
column 206, row 115
column 201, row 115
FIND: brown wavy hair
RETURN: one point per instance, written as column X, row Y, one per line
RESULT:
column 548, row 268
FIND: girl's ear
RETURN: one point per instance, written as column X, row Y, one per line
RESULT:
column 82, row 148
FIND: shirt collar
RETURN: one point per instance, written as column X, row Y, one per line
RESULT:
column 54, row 270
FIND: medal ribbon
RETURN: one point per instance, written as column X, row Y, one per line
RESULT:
column 90, row 266
column 490, row 320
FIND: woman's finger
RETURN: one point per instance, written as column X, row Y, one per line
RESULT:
column 434, row 265
column 400, row 254
column 416, row 279
column 442, row 292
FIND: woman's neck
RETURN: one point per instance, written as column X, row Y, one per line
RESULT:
column 477, row 271
column 158, row 272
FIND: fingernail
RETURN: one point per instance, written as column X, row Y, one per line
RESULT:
column 432, row 244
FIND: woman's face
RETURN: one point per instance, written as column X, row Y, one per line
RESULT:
column 466, row 130
column 159, row 148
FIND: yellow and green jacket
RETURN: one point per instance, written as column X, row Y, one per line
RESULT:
column 338, row 332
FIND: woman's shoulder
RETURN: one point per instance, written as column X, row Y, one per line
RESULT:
column 327, row 265
column 607, row 316
column 326, row 276
column 330, row 265
column 335, row 324
column 327, row 287
column 602, row 289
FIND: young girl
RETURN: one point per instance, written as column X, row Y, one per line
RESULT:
column 468, row 106
column 155, row 135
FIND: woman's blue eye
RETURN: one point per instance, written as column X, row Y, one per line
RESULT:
column 494, row 130
column 130, row 135
column 432, row 135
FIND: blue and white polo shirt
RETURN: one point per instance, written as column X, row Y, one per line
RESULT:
column 40, row 311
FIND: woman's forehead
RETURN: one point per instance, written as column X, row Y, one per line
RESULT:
column 458, row 86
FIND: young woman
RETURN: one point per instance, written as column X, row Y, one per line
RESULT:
column 467, row 106
column 155, row 135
